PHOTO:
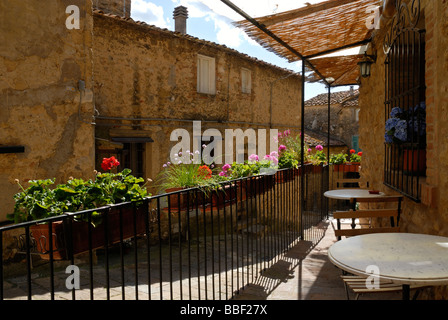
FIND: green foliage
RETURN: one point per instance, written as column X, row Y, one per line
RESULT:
column 246, row 169
column 355, row 157
column 318, row 158
column 40, row 201
column 288, row 159
column 339, row 158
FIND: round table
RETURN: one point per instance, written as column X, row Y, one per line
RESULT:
column 404, row 258
column 347, row 194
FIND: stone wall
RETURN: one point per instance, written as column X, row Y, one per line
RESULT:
column 42, row 109
column 343, row 123
column 431, row 214
column 121, row 8
column 145, row 74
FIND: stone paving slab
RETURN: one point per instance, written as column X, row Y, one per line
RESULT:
column 305, row 273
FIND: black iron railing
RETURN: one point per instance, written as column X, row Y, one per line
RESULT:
column 187, row 244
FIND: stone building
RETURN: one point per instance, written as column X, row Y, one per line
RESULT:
column 419, row 75
column 344, row 116
column 150, row 81
column 82, row 80
column 46, row 93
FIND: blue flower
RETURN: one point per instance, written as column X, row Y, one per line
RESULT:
column 396, row 112
column 417, row 125
column 405, row 125
column 401, row 130
column 391, row 123
column 388, row 138
column 420, row 107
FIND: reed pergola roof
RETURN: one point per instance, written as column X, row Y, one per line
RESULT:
column 318, row 29
column 343, row 69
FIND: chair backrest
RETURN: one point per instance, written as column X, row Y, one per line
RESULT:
column 347, row 183
column 393, row 210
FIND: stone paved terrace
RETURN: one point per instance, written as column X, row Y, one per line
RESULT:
column 302, row 273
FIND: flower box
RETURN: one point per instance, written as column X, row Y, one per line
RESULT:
column 80, row 233
column 224, row 196
column 283, row 176
column 348, row 167
column 178, row 199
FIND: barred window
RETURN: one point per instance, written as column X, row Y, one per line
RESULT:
column 405, row 108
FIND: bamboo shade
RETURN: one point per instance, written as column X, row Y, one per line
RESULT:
column 315, row 28
column 343, row 69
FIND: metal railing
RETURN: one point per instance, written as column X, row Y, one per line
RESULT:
column 187, row 244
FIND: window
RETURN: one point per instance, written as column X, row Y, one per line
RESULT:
column 405, row 110
column 206, row 75
column 133, row 154
column 355, row 143
column 132, row 157
column 246, row 80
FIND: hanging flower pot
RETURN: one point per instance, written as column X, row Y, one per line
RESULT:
column 414, row 161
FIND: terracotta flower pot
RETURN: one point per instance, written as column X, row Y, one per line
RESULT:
column 414, row 161
column 178, row 199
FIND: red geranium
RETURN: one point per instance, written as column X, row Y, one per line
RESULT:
column 205, row 172
column 352, row 151
column 109, row 163
column 360, row 153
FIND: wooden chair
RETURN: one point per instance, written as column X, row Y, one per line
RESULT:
column 364, row 221
column 360, row 221
column 347, row 183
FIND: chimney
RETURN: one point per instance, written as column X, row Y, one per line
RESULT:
column 180, row 18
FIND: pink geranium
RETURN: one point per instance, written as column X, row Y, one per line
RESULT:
column 253, row 157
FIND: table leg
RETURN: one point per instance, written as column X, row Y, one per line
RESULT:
column 353, row 205
column 406, row 292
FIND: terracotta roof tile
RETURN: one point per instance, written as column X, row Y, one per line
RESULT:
column 192, row 38
column 341, row 97
column 313, row 138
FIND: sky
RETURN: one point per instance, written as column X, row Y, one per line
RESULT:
column 212, row 20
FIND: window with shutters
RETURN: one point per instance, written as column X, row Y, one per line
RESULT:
column 206, row 75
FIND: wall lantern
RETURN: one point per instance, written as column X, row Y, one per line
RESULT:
column 365, row 65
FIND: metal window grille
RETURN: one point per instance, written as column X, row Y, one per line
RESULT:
column 405, row 109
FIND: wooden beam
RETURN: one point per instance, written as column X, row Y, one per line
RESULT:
column 12, row 149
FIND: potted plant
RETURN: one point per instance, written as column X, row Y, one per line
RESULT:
column 293, row 144
column 318, row 158
column 185, row 172
column 40, row 201
column 338, row 161
column 406, row 129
